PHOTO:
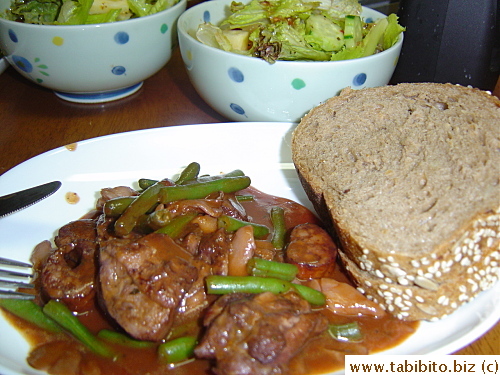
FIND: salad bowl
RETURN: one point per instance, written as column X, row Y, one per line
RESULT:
column 91, row 63
column 245, row 88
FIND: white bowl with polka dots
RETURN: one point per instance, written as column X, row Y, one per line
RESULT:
column 243, row 88
column 91, row 63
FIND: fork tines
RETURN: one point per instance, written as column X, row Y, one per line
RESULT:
column 15, row 263
column 12, row 281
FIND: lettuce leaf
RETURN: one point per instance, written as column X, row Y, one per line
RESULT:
column 161, row 5
column 74, row 12
column 392, row 31
column 139, row 7
column 77, row 12
column 341, row 8
column 291, row 8
column 261, row 12
column 382, row 35
column 37, row 11
column 293, row 45
column 324, row 34
column 349, row 53
column 300, row 30
column 110, row 16
column 213, row 36
column 253, row 13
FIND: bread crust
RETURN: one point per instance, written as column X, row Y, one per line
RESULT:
column 418, row 282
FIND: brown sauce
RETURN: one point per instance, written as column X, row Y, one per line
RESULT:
column 71, row 197
column 58, row 353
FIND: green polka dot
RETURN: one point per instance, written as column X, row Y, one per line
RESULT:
column 164, row 28
column 298, row 84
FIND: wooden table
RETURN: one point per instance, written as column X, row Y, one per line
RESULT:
column 33, row 120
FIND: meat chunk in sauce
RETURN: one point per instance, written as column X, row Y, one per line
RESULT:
column 68, row 273
column 209, row 259
column 312, row 250
column 257, row 334
column 143, row 282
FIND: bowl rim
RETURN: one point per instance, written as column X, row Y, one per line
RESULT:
column 209, row 4
column 179, row 4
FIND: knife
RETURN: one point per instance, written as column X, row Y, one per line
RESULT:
column 17, row 201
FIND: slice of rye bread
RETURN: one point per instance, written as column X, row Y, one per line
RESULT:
column 408, row 179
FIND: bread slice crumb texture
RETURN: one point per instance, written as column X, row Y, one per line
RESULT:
column 404, row 173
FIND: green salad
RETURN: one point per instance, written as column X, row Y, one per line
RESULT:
column 301, row 30
column 79, row 12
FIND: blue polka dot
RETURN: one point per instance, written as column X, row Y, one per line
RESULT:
column 206, row 16
column 13, row 36
column 369, row 20
column 236, row 75
column 118, row 70
column 359, row 79
column 236, row 108
column 22, row 63
column 121, row 37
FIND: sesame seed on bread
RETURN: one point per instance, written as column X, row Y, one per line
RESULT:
column 408, row 179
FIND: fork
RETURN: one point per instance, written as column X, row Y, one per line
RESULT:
column 13, row 276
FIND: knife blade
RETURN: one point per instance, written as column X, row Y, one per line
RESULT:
column 17, row 201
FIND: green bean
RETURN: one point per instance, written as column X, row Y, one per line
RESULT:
column 116, row 206
column 313, row 296
column 346, row 332
column 235, row 173
column 177, row 350
column 144, row 183
column 231, row 224
column 189, row 173
column 142, row 204
column 200, row 190
column 267, row 268
column 183, row 329
column 278, row 221
column 158, row 219
column 175, row 227
column 122, row 339
column 31, row 312
column 142, row 225
column 166, row 194
column 217, row 284
column 65, row 318
column 244, row 198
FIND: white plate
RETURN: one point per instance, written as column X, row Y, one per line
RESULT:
column 261, row 150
